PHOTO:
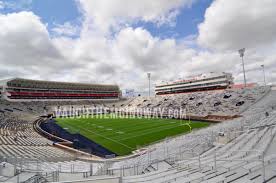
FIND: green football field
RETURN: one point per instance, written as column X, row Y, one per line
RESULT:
column 123, row 135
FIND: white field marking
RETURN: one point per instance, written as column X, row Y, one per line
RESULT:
column 120, row 132
column 187, row 124
column 141, row 134
column 109, row 129
column 106, row 138
column 100, row 126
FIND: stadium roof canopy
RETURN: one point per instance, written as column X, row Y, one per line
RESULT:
column 29, row 83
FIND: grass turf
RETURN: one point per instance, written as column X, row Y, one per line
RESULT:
column 123, row 135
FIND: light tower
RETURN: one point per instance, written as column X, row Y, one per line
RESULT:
column 149, row 81
column 241, row 52
column 264, row 73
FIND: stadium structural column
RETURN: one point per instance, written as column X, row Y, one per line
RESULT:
column 91, row 169
column 149, row 75
column 241, row 52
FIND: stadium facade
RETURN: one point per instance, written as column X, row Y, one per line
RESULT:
column 202, row 82
column 26, row 89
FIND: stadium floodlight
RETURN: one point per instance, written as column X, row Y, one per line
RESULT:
column 241, row 52
column 264, row 73
column 149, row 74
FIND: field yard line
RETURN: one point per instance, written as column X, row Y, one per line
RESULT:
column 106, row 137
column 112, row 134
column 110, row 139
column 135, row 128
column 149, row 132
column 123, row 125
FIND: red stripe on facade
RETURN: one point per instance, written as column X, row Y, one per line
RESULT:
column 51, row 94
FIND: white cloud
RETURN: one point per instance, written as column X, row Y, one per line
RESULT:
column 66, row 29
column 26, row 48
column 230, row 25
column 124, row 58
column 24, row 40
column 93, row 56
column 105, row 14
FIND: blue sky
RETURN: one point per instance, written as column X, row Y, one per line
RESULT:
column 186, row 22
column 51, row 12
column 54, row 12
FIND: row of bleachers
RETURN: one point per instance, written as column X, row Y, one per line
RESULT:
column 228, row 102
column 251, row 134
column 237, row 161
column 19, row 139
column 34, row 152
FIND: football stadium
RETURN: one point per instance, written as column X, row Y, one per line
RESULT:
column 138, row 91
column 207, row 129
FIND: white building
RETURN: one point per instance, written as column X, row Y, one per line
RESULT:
column 202, row 82
column 16, row 89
